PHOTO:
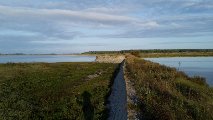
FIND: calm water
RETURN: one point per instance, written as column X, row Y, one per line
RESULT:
column 202, row 66
column 45, row 58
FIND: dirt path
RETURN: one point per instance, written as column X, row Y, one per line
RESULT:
column 132, row 99
column 118, row 98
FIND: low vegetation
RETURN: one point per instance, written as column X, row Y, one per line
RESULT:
column 159, row 52
column 176, row 54
column 55, row 90
column 163, row 93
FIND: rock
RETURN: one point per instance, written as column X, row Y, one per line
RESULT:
column 109, row 59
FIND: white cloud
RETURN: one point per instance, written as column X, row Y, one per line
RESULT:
column 64, row 21
column 85, row 16
column 63, row 14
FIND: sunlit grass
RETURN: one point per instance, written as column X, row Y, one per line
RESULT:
column 164, row 93
column 176, row 54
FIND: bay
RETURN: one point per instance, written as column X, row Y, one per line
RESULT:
column 45, row 58
column 193, row 66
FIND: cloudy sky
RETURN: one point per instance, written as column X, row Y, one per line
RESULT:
column 73, row 26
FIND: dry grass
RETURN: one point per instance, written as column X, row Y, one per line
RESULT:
column 167, row 94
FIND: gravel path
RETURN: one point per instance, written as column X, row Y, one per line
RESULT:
column 118, row 98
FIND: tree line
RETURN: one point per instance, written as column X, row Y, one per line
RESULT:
column 150, row 51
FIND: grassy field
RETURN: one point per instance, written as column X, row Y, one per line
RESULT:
column 176, row 54
column 166, row 94
column 55, row 91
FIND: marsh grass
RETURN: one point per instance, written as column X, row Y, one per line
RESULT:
column 158, row 53
column 176, row 54
column 166, row 94
column 54, row 90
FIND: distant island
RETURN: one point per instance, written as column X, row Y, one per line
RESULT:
column 158, row 52
column 142, row 52
column 150, row 51
column 39, row 54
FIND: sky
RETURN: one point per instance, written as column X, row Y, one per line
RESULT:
column 75, row 26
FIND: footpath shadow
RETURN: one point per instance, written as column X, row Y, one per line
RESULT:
column 87, row 107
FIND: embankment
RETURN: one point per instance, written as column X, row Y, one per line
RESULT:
column 109, row 59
